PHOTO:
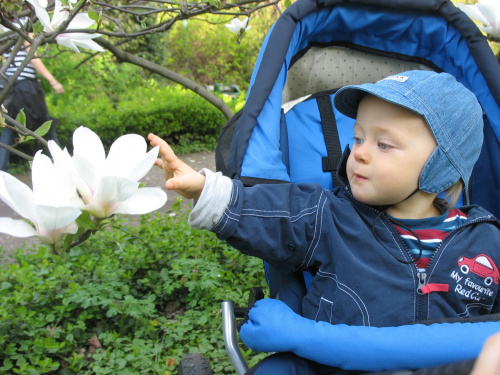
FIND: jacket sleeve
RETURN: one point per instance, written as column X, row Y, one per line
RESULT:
column 213, row 201
column 273, row 326
column 275, row 222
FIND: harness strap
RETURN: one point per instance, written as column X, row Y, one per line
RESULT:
column 329, row 163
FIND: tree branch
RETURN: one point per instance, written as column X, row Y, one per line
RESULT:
column 164, row 72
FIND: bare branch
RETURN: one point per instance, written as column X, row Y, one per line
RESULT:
column 164, row 72
column 15, row 151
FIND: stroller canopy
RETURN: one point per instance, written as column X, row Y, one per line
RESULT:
column 320, row 46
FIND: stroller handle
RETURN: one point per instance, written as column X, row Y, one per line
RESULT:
column 229, row 333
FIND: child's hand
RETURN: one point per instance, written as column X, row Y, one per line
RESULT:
column 180, row 176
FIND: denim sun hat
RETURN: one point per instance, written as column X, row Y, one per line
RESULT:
column 451, row 110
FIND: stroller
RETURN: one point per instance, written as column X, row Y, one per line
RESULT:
column 287, row 131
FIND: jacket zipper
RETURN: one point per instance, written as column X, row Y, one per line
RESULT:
column 422, row 299
column 420, row 313
column 422, row 277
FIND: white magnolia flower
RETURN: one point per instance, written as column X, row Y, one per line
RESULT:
column 52, row 205
column 109, row 185
column 237, row 26
column 80, row 21
column 487, row 12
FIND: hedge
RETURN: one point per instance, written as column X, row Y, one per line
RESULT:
column 176, row 114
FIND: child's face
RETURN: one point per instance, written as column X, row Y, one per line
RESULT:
column 391, row 146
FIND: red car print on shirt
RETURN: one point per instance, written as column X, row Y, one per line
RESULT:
column 481, row 265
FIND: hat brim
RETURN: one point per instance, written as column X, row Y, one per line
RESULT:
column 347, row 99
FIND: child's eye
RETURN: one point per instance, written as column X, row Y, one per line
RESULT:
column 384, row 146
column 358, row 141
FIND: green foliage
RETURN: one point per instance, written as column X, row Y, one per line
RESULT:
column 209, row 53
column 98, row 76
column 128, row 102
column 115, row 99
column 174, row 113
column 132, row 300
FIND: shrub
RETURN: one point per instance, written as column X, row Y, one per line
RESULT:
column 131, row 300
column 174, row 113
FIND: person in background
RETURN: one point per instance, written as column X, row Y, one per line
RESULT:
column 27, row 94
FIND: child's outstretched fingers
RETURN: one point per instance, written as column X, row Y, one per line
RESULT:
column 180, row 176
column 166, row 152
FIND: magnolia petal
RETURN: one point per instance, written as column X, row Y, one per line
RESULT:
column 50, row 185
column 88, row 158
column 4, row 195
column 18, row 196
column 16, row 228
column 88, row 144
column 115, row 188
column 236, row 25
column 144, row 165
column 81, row 36
column 62, row 160
column 81, row 21
column 50, row 218
column 41, row 13
column 42, row 176
column 59, row 15
column 112, row 190
column 490, row 30
column 145, row 200
column 95, row 210
column 489, row 12
column 66, row 42
column 71, row 228
column 83, row 42
column 38, row 3
column 51, row 236
column 64, row 163
column 124, row 153
column 128, row 158
column 89, row 176
column 472, row 12
column 232, row 28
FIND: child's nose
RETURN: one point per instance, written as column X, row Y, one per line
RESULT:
column 361, row 153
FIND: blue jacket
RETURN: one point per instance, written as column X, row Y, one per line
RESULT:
column 357, row 280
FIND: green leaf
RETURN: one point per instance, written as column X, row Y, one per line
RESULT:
column 63, row 242
column 288, row 3
column 37, row 27
column 44, row 128
column 26, row 139
column 21, row 117
column 85, row 221
column 7, row 365
column 93, row 15
column 50, row 318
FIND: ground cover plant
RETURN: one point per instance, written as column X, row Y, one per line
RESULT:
column 133, row 300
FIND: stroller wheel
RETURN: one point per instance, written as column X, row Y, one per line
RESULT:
column 194, row 364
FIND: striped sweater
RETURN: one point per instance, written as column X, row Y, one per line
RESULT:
column 28, row 72
column 431, row 232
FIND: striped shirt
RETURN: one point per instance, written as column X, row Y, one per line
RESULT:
column 431, row 232
column 28, row 72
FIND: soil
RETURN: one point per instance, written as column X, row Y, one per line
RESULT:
column 154, row 178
